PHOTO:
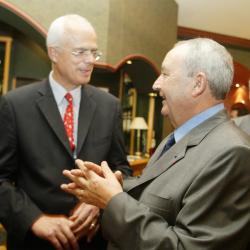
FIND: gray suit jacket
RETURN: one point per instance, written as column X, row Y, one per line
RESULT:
column 244, row 123
column 196, row 196
column 34, row 150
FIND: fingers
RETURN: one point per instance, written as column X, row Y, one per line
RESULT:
column 77, row 176
column 80, row 164
column 56, row 243
column 93, row 230
column 85, row 226
column 77, row 172
column 76, row 212
column 64, row 235
column 89, row 225
column 67, row 241
column 118, row 175
column 80, row 215
column 78, row 192
column 57, row 230
column 107, row 172
column 105, row 166
column 78, row 224
column 79, row 181
column 90, row 166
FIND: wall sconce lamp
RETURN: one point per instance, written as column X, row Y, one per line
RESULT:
column 138, row 124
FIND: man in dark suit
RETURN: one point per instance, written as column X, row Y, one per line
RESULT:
column 43, row 128
column 196, row 194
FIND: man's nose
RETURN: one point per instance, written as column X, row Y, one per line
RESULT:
column 89, row 59
column 156, row 85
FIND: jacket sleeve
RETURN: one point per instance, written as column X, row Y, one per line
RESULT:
column 214, row 214
column 117, row 155
column 17, row 211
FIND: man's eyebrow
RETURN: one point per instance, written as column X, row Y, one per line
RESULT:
column 84, row 48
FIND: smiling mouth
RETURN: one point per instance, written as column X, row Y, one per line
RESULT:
column 86, row 71
column 162, row 96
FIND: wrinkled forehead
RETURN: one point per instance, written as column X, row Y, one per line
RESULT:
column 80, row 36
column 175, row 57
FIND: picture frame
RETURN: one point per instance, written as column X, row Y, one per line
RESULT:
column 5, row 53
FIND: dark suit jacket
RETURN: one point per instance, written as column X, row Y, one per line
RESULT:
column 34, row 150
column 196, row 196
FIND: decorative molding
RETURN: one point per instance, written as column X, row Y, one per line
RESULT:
column 117, row 66
column 28, row 19
column 184, row 32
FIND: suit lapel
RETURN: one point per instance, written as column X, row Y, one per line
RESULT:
column 86, row 113
column 156, row 167
column 177, row 152
column 47, row 104
column 157, row 153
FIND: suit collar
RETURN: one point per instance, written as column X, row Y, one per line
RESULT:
column 156, row 166
column 47, row 104
column 86, row 114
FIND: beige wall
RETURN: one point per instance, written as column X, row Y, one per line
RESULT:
column 123, row 26
column 228, row 17
column 45, row 11
column 143, row 26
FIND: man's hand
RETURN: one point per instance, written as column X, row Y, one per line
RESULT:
column 95, row 184
column 56, row 230
column 85, row 220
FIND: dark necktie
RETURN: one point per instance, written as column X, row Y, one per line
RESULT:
column 168, row 145
column 69, row 120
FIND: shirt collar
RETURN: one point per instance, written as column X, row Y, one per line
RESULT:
column 180, row 132
column 59, row 91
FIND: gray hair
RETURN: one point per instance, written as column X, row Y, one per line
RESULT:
column 58, row 28
column 207, row 56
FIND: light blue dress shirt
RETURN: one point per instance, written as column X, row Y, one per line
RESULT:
column 59, row 93
column 184, row 129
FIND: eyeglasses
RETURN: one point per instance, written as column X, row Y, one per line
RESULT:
column 82, row 53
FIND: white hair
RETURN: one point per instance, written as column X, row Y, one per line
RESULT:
column 207, row 56
column 58, row 27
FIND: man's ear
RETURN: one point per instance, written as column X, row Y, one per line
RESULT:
column 199, row 84
column 52, row 52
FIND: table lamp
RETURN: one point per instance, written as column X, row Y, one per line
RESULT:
column 138, row 124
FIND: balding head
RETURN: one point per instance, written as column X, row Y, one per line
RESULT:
column 60, row 29
column 211, row 58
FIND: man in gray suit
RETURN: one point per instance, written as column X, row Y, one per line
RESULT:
column 196, row 194
column 44, row 127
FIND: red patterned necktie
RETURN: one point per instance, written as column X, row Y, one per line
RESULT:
column 69, row 120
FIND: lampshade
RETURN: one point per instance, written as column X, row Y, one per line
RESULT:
column 138, row 123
